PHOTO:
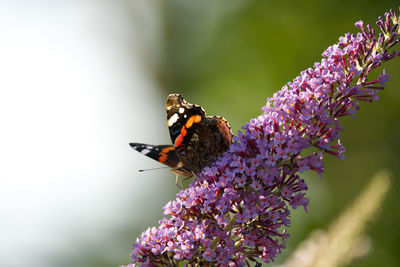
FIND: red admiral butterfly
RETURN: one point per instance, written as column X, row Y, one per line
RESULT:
column 198, row 140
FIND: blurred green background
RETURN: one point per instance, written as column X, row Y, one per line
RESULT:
column 229, row 56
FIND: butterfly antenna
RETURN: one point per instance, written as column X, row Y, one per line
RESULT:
column 152, row 169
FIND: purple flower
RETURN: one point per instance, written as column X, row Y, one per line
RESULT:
column 238, row 209
column 256, row 185
column 209, row 254
column 240, row 180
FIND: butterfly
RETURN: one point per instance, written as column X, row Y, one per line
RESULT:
column 197, row 140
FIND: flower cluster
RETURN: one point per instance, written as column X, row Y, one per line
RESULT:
column 238, row 209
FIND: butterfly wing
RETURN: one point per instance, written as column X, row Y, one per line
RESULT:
column 165, row 154
column 224, row 131
column 197, row 140
column 183, row 119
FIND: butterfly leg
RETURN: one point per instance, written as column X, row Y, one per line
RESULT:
column 183, row 172
column 176, row 182
column 180, row 185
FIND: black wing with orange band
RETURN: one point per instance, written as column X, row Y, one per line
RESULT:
column 183, row 119
column 165, row 154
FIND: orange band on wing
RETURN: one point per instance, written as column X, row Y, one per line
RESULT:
column 179, row 139
column 189, row 123
column 163, row 158
column 197, row 119
column 183, row 131
column 193, row 119
column 163, row 154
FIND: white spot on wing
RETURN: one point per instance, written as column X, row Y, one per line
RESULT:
column 145, row 151
column 173, row 119
column 181, row 110
column 149, row 147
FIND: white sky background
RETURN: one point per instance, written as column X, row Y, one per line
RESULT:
column 73, row 93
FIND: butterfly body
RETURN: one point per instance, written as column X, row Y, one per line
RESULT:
column 197, row 140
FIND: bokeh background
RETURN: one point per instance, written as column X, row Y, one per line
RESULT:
column 80, row 79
